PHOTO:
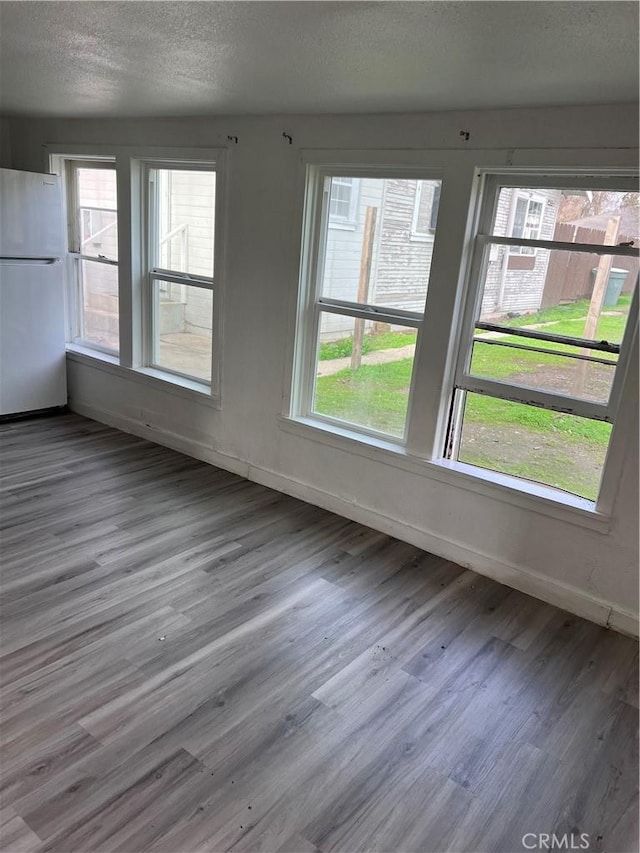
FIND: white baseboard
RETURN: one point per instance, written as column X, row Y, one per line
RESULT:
column 554, row 592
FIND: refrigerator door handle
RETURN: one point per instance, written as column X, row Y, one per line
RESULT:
column 30, row 261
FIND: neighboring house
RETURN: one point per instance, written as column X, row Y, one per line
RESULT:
column 401, row 258
column 516, row 275
column 402, row 245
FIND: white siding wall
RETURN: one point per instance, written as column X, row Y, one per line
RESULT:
column 187, row 200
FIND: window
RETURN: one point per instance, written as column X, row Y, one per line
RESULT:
column 527, row 221
column 154, row 309
column 363, row 299
column 543, row 350
column 343, row 202
column 425, row 209
column 180, row 268
column 93, row 252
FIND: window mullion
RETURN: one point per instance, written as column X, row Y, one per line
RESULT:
column 310, row 358
column 428, row 413
column 126, row 243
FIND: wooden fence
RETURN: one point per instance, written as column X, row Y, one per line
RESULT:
column 570, row 274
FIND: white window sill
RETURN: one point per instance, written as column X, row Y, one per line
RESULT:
column 180, row 386
column 529, row 496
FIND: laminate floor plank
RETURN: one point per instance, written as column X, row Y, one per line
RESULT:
column 193, row 662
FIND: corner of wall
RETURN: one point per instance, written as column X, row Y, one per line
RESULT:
column 5, row 144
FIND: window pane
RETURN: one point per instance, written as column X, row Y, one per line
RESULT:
column 99, row 304
column 185, row 220
column 428, row 201
column 183, row 322
column 378, row 262
column 561, row 375
column 97, row 200
column 342, row 195
column 371, row 391
column 563, row 451
column 555, row 291
column 569, row 215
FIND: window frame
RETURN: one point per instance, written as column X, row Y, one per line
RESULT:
column 461, row 379
column 132, row 239
column 153, row 273
column 71, row 165
column 312, row 303
column 463, row 174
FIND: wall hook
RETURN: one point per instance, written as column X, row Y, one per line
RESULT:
column 465, row 134
column 288, row 138
column 233, row 139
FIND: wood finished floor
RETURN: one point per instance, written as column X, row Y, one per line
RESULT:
column 192, row 662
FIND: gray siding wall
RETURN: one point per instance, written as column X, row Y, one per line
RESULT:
column 401, row 261
column 521, row 288
column 404, row 260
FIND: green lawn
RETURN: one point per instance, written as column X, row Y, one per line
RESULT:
column 370, row 343
column 374, row 396
column 556, row 449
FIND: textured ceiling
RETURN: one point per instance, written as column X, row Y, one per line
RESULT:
column 184, row 58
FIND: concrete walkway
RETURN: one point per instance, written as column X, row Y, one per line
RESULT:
column 380, row 356
column 384, row 356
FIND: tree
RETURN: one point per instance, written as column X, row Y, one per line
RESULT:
column 601, row 202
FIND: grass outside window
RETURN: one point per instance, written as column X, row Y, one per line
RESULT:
column 557, row 449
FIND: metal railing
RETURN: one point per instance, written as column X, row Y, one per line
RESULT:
column 183, row 231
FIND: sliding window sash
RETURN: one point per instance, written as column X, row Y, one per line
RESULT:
column 365, row 311
column 168, row 277
column 621, row 250
column 535, row 397
column 465, row 381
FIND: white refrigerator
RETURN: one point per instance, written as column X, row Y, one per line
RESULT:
column 32, row 314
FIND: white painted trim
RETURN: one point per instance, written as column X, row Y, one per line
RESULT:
column 172, row 383
column 531, row 583
column 530, row 496
column 623, row 622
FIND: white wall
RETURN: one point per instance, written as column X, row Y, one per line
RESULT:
column 593, row 572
